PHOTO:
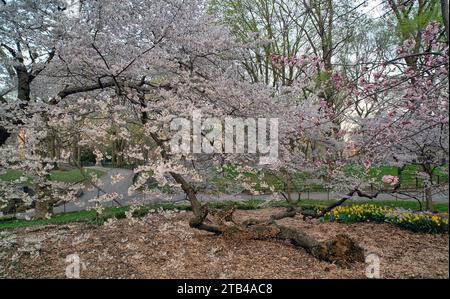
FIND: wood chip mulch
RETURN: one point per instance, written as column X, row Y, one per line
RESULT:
column 164, row 246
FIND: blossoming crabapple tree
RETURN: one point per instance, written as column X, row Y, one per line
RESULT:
column 411, row 125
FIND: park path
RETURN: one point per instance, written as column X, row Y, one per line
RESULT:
column 121, row 188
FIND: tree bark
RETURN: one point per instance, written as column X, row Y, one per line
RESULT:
column 43, row 204
column 76, row 150
column 24, row 80
column 429, row 198
column 4, row 135
column 444, row 10
column 341, row 250
column 42, row 209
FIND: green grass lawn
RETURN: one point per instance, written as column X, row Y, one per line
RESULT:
column 10, row 175
column 407, row 178
column 119, row 212
column 65, row 176
column 408, row 175
column 81, row 216
column 73, row 176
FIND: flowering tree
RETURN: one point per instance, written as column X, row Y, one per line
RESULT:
column 152, row 63
column 28, row 37
column 411, row 126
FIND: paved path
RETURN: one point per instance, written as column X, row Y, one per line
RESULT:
column 121, row 188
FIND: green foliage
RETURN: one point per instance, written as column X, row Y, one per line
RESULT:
column 402, row 204
column 10, row 175
column 419, row 222
column 252, row 204
column 407, row 219
column 407, row 176
column 415, row 21
column 87, row 157
column 229, row 174
column 119, row 212
column 7, row 218
column 57, row 220
column 73, row 176
column 357, row 213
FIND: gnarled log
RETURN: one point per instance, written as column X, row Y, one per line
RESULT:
column 341, row 250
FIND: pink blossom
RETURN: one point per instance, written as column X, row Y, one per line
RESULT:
column 409, row 44
column 391, row 180
column 430, row 33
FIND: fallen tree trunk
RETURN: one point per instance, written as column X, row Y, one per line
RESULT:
column 341, row 250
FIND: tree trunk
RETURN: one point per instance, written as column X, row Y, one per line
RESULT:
column 76, row 151
column 117, row 148
column 429, row 198
column 444, row 10
column 23, row 93
column 341, row 250
column 44, row 203
column 4, row 135
column 23, row 80
column 428, row 184
column 42, row 209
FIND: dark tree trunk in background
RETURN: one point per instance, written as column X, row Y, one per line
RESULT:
column 76, row 150
column 43, row 207
column 24, row 77
column 428, row 185
column 4, row 135
column 429, row 198
column 23, row 93
column 24, row 80
column 444, row 9
column 118, row 147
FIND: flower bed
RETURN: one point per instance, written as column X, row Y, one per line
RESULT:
column 423, row 222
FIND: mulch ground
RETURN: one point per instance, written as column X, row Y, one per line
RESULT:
column 162, row 245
